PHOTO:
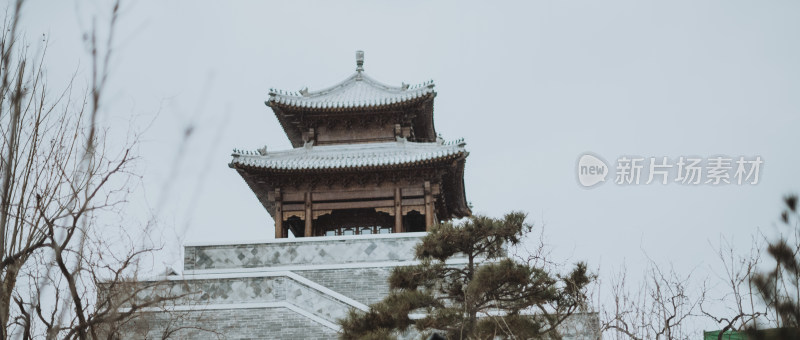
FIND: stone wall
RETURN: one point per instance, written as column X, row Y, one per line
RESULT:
column 271, row 288
column 367, row 285
column 287, row 289
column 234, row 324
column 581, row 326
column 279, row 289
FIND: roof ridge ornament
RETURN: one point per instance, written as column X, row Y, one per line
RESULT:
column 359, row 61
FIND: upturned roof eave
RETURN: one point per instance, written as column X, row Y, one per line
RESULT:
column 456, row 194
column 355, row 77
column 349, row 169
column 462, row 209
column 352, row 107
column 331, row 97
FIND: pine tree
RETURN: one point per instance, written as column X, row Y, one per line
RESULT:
column 780, row 287
column 490, row 295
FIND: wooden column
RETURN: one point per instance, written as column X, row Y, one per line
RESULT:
column 398, row 211
column 428, row 206
column 278, row 214
column 309, row 217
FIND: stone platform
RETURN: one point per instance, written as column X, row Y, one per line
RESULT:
column 279, row 289
column 288, row 289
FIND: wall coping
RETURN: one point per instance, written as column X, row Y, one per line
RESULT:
column 255, row 305
column 190, row 273
column 306, row 239
column 302, row 280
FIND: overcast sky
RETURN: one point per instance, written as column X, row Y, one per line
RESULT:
column 531, row 86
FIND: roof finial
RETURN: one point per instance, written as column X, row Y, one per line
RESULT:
column 359, row 61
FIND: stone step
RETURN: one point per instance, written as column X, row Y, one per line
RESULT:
column 257, row 290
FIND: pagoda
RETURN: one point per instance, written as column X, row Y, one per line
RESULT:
column 366, row 159
column 368, row 171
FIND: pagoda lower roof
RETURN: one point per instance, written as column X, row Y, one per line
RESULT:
column 356, row 92
column 350, row 156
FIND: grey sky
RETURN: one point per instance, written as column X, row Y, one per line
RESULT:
column 529, row 85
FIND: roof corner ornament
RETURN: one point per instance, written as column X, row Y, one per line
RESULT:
column 359, row 61
column 262, row 151
column 439, row 139
column 308, row 144
column 404, row 86
column 304, row 91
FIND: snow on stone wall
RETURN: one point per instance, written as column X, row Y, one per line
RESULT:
column 303, row 251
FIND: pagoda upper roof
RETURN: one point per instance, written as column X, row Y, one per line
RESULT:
column 358, row 100
column 358, row 91
column 350, row 156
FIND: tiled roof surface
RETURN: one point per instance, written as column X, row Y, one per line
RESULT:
column 349, row 156
column 357, row 91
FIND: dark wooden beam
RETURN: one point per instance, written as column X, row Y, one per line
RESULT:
column 278, row 214
column 428, row 206
column 308, row 232
column 398, row 211
column 353, row 205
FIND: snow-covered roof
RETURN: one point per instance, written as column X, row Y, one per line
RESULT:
column 356, row 92
column 349, row 156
